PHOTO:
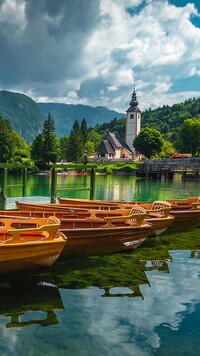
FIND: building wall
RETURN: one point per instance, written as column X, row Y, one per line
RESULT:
column 133, row 124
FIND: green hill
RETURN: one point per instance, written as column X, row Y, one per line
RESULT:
column 167, row 119
column 27, row 117
column 64, row 115
column 23, row 114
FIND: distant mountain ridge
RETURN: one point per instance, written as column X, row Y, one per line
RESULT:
column 27, row 117
column 65, row 114
column 23, row 114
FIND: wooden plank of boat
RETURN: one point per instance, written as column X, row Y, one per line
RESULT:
column 71, row 208
column 185, row 219
column 29, row 243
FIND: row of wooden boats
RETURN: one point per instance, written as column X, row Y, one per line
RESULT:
column 35, row 235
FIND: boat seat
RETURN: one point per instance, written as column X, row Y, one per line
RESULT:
column 196, row 206
column 159, row 209
column 135, row 217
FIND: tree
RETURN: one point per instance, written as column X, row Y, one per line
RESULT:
column 76, row 145
column 6, row 141
column 95, row 138
column 167, row 149
column 48, row 126
column 64, row 146
column 149, row 142
column 46, row 146
column 51, row 149
column 37, row 148
column 21, row 151
column 89, row 148
column 189, row 137
column 84, row 130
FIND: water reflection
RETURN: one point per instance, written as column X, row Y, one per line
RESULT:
column 34, row 297
column 142, row 303
column 131, row 292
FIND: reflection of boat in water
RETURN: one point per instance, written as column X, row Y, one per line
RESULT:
column 21, row 296
column 117, row 274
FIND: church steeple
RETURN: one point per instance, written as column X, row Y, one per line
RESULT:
column 134, row 102
column 133, row 120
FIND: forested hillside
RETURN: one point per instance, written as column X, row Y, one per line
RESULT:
column 23, row 114
column 64, row 115
column 166, row 119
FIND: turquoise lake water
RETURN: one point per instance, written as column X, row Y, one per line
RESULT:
column 141, row 303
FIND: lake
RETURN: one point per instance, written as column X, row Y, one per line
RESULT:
column 141, row 303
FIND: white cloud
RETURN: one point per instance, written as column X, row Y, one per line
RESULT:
column 53, row 58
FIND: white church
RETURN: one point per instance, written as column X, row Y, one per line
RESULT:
column 112, row 145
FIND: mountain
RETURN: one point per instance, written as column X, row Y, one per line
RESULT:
column 64, row 115
column 23, row 114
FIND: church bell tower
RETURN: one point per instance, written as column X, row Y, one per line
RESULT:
column 133, row 121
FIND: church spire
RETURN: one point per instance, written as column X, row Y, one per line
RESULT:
column 133, row 103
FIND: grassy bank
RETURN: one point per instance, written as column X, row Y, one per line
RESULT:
column 105, row 167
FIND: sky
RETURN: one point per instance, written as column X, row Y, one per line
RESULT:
column 93, row 52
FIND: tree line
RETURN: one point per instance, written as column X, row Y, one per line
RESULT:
column 82, row 143
column 46, row 148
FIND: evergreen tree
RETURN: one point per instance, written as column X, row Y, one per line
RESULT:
column 64, row 146
column 76, row 145
column 84, row 130
column 51, row 143
column 37, row 148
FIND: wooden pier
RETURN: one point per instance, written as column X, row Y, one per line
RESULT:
column 4, row 167
column 188, row 167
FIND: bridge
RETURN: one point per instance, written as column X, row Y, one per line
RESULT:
column 189, row 167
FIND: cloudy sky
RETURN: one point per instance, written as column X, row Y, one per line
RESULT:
column 92, row 51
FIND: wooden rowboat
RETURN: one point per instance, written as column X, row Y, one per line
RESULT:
column 107, row 235
column 29, row 243
column 114, row 234
column 186, row 212
column 180, row 204
column 158, row 216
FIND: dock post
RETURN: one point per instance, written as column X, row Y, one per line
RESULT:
column 24, row 182
column 3, row 187
column 92, row 183
column 53, row 185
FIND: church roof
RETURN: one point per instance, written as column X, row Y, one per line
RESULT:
column 111, row 143
column 105, row 147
